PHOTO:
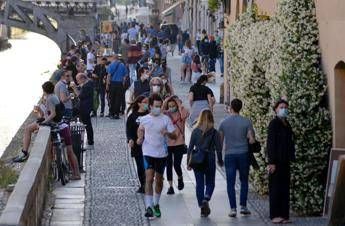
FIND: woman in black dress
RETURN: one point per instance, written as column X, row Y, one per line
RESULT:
column 137, row 109
column 281, row 151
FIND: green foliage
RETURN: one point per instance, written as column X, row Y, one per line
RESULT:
column 280, row 57
column 7, row 175
column 213, row 5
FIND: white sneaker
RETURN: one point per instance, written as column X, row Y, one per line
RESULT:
column 233, row 213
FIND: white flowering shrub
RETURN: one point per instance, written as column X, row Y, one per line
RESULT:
column 280, row 57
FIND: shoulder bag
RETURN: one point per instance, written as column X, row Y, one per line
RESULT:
column 197, row 158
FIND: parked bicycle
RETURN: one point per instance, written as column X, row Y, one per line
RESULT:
column 60, row 165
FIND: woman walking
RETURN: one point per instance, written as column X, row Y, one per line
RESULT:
column 200, row 97
column 176, row 148
column 281, row 151
column 137, row 109
column 196, row 68
column 205, row 139
column 187, row 57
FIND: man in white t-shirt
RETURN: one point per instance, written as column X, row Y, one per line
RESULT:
column 90, row 61
column 132, row 33
column 156, row 127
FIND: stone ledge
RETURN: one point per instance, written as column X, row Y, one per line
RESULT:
column 25, row 204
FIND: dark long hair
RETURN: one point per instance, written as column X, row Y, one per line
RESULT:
column 134, row 106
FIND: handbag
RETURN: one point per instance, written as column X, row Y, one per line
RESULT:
column 255, row 147
column 197, row 158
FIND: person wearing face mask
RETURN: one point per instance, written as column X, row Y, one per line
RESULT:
column 135, row 111
column 156, row 128
column 280, row 153
column 166, row 89
column 176, row 148
column 142, row 85
column 156, row 85
column 156, row 70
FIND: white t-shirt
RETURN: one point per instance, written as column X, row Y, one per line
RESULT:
column 124, row 36
column 90, row 61
column 132, row 33
column 155, row 144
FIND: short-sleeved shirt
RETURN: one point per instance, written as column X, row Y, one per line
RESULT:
column 200, row 92
column 132, row 33
column 155, row 144
column 235, row 129
column 61, row 87
column 117, row 71
column 90, row 58
column 51, row 102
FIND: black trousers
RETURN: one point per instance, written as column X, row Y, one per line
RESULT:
column 86, row 119
column 116, row 96
column 279, row 191
column 139, row 160
column 175, row 155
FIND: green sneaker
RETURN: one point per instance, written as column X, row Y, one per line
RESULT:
column 157, row 211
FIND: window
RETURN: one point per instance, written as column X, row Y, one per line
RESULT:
column 227, row 6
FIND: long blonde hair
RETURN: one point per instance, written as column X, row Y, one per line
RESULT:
column 205, row 121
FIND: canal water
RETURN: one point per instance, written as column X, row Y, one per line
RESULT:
column 23, row 69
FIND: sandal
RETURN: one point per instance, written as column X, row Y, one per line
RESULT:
column 277, row 220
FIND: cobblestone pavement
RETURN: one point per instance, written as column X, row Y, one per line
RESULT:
column 111, row 181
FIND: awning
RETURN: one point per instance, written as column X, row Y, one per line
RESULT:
column 170, row 10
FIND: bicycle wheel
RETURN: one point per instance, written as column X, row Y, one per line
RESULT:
column 60, row 165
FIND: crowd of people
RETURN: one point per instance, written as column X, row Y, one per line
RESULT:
column 156, row 117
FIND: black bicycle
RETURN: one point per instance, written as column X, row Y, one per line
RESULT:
column 60, row 165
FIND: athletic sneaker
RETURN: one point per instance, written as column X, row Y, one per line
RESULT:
column 149, row 212
column 157, row 211
column 180, row 184
column 233, row 213
column 206, row 208
column 170, row 191
column 245, row 211
column 22, row 157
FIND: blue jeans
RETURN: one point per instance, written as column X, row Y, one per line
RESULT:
column 133, row 72
column 221, row 63
column 234, row 162
column 206, row 178
column 212, row 65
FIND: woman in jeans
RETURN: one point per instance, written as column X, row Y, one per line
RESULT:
column 176, row 148
column 137, row 109
column 205, row 138
column 280, row 151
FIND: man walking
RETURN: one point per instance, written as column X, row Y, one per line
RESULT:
column 116, row 75
column 237, row 130
column 99, row 76
column 134, row 54
column 156, row 127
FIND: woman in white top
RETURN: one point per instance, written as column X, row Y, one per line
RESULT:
column 186, row 62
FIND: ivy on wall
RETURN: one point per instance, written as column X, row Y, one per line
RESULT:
column 280, row 57
column 213, row 5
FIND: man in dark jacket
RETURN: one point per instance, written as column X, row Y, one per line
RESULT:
column 99, row 76
column 85, row 95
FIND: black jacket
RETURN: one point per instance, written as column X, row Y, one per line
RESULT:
column 86, row 97
column 132, row 125
column 209, row 141
column 280, row 142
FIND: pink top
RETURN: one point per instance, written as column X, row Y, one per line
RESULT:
column 178, row 118
column 196, row 67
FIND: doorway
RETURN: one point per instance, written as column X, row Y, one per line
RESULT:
column 339, row 108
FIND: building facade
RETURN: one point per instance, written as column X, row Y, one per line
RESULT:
column 331, row 22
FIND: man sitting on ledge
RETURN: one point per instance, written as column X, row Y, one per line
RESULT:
column 51, row 111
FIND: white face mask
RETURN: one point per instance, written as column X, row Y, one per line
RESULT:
column 146, row 76
column 165, row 81
column 156, row 89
